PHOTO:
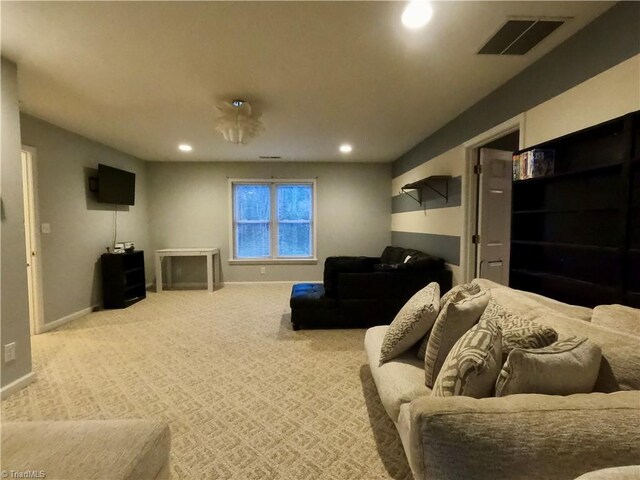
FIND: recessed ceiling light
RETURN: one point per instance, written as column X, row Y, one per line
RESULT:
column 417, row 14
column 185, row 148
column 345, row 148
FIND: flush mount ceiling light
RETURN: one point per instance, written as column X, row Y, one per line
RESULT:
column 237, row 122
column 417, row 14
column 346, row 148
column 183, row 147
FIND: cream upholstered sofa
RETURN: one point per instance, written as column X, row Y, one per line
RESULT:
column 86, row 450
column 518, row 436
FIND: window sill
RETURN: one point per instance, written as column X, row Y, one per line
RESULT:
column 273, row 261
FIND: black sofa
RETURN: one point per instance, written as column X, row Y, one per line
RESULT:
column 365, row 291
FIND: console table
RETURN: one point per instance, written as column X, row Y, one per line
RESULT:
column 213, row 269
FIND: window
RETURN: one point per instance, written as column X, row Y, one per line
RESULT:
column 273, row 220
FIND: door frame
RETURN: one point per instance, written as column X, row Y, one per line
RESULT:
column 470, row 189
column 32, row 223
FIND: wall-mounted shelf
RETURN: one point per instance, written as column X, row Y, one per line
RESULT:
column 438, row 183
column 573, row 233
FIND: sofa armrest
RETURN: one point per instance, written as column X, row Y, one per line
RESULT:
column 83, row 449
column 522, row 436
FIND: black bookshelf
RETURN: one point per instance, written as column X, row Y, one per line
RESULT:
column 575, row 234
column 123, row 279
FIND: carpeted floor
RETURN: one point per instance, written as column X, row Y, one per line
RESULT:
column 244, row 395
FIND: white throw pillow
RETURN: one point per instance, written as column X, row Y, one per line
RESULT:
column 459, row 292
column 412, row 321
column 454, row 320
column 456, row 293
column 566, row 367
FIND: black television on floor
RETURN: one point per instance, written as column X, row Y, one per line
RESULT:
column 116, row 186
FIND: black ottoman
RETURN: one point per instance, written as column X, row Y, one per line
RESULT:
column 310, row 306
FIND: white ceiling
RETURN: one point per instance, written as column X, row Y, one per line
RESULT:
column 145, row 76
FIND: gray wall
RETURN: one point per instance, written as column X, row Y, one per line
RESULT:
column 81, row 228
column 190, row 209
column 14, row 311
column 607, row 41
column 601, row 46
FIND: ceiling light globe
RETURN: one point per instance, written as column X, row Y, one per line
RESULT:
column 184, row 147
column 417, row 14
column 346, row 148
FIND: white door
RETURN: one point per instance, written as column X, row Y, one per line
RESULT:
column 31, row 238
column 494, row 215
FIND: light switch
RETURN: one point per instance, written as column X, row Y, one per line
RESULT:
column 9, row 352
column 45, row 228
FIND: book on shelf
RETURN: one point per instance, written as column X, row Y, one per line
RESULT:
column 524, row 162
column 541, row 163
column 533, row 163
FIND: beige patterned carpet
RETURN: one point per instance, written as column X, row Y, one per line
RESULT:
column 244, row 395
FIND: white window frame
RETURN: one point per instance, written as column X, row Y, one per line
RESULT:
column 274, row 223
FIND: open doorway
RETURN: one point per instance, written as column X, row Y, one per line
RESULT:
column 32, row 239
column 488, row 202
column 493, row 174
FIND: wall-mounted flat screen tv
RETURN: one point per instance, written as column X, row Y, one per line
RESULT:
column 116, row 186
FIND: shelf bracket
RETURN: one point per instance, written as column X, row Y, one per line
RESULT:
column 406, row 192
column 444, row 195
column 437, row 183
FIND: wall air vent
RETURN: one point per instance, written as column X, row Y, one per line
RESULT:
column 517, row 37
column 269, row 157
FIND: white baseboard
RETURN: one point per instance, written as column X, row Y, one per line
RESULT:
column 183, row 286
column 61, row 321
column 273, row 282
column 203, row 285
column 17, row 385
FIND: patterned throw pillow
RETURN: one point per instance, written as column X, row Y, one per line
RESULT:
column 566, row 367
column 518, row 332
column 456, row 293
column 413, row 320
column 473, row 364
column 454, row 320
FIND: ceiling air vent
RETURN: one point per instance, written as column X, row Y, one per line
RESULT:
column 517, row 37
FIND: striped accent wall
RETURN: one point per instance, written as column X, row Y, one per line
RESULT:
column 445, row 246
column 607, row 48
column 435, row 226
column 430, row 199
column 607, row 41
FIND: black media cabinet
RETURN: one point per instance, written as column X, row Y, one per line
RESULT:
column 575, row 234
column 123, row 280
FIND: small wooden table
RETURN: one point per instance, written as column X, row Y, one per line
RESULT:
column 209, row 252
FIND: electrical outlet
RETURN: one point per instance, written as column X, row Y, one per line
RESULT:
column 263, row 270
column 45, row 228
column 9, row 352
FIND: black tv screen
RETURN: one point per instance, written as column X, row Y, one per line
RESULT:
column 116, row 186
